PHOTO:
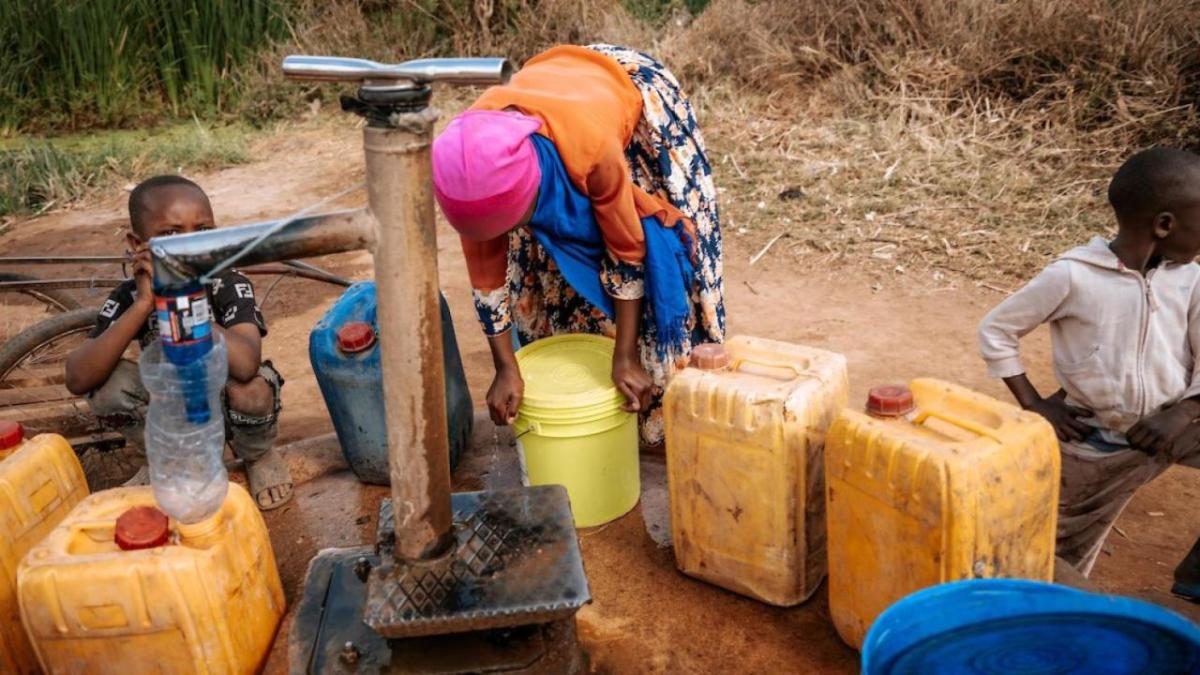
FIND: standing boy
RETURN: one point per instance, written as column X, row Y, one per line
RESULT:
column 1124, row 321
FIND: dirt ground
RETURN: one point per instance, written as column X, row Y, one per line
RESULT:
column 645, row 616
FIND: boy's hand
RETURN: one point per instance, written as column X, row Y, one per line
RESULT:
column 143, row 273
column 504, row 396
column 632, row 381
column 1186, row 443
column 1164, row 430
column 1064, row 418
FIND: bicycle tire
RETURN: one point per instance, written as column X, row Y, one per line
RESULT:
column 56, row 298
column 104, row 466
column 20, row 345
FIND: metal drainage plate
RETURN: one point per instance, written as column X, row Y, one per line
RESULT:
column 516, row 562
column 328, row 636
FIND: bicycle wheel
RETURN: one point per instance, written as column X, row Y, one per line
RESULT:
column 25, row 359
column 56, row 299
column 32, row 392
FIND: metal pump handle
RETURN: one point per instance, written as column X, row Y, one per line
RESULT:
column 422, row 71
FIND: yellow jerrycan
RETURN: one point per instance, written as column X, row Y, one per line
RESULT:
column 40, row 482
column 118, row 588
column 745, row 430
column 935, row 483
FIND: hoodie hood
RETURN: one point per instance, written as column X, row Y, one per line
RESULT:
column 1095, row 252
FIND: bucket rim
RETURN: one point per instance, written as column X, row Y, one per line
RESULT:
column 537, row 424
column 603, row 396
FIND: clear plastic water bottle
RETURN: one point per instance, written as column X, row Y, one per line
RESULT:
column 185, row 325
column 187, row 469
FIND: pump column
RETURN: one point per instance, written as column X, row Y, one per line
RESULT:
column 406, row 274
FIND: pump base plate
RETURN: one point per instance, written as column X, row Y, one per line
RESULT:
column 515, row 561
column 330, row 617
column 502, row 601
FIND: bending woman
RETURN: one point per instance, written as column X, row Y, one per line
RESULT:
column 585, row 203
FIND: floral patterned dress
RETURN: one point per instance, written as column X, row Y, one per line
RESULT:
column 666, row 156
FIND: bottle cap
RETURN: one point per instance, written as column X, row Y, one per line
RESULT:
column 890, row 400
column 11, row 434
column 141, row 527
column 709, row 357
column 355, row 336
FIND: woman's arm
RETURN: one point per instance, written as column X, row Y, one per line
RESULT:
column 627, row 372
column 507, row 390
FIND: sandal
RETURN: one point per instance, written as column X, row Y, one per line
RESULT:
column 142, row 477
column 270, row 481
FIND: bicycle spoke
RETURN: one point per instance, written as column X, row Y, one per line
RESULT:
column 34, row 375
column 45, row 364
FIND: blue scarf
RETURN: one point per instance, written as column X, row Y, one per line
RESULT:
column 565, row 225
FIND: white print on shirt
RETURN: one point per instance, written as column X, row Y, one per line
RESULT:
column 217, row 283
column 109, row 309
column 230, row 312
column 244, row 290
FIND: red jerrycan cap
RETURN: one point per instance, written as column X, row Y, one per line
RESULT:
column 141, row 527
column 11, row 434
column 355, row 336
column 709, row 357
column 890, row 400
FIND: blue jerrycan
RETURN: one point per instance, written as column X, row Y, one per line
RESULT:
column 344, row 350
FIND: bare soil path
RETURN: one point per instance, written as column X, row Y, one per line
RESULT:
column 646, row 617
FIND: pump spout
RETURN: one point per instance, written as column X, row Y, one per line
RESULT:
column 185, row 257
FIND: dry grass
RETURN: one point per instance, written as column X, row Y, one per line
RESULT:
column 1093, row 65
column 934, row 138
column 903, row 194
column 397, row 30
column 931, row 138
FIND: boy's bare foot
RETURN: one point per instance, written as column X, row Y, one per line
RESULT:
column 270, row 481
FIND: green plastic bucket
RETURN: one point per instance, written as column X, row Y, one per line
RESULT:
column 571, row 429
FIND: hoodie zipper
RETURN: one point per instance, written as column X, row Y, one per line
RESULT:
column 1148, row 308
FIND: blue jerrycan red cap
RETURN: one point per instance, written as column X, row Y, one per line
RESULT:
column 355, row 336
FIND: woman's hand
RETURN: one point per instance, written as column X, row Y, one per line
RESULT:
column 504, row 396
column 627, row 372
column 633, row 382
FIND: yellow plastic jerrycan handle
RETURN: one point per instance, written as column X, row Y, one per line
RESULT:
column 718, row 357
column 784, row 372
column 960, row 422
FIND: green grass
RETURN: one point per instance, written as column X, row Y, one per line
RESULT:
column 74, row 64
column 39, row 174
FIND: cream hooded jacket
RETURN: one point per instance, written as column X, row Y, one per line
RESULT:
column 1124, row 345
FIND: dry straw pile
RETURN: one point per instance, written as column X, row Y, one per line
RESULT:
column 934, row 136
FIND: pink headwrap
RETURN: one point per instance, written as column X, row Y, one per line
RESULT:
column 485, row 171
